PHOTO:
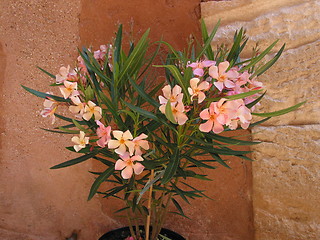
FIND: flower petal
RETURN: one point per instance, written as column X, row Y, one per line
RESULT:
column 204, row 114
column 206, row 127
column 127, row 135
column 213, row 72
column 117, row 134
column 138, row 168
column 120, row 165
column 112, row 144
column 223, row 66
column 127, row 172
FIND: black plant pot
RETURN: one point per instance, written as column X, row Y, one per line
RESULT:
column 123, row 233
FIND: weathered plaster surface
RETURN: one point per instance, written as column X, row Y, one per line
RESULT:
column 286, row 186
column 35, row 202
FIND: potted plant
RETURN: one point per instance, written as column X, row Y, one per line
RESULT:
column 153, row 136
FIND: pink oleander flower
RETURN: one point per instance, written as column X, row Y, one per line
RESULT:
column 243, row 114
column 91, row 109
column 212, row 123
column 101, row 53
column 224, row 79
column 69, row 89
column 197, row 67
column 50, row 106
column 65, row 74
column 129, row 165
column 104, row 133
column 178, row 111
column 195, row 89
column 79, row 106
column 140, row 142
column 123, row 140
column 80, row 141
column 174, row 96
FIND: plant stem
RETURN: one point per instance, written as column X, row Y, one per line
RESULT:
column 149, row 207
column 130, row 225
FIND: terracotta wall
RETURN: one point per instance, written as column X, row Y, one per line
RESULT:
column 37, row 203
column 286, row 190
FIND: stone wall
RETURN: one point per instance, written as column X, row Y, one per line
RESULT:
column 286, row 189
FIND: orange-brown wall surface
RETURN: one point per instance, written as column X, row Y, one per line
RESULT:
column 38, row 203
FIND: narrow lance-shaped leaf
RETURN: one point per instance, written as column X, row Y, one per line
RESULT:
column 208, row 41
column 265, row 67
column 45, row 95
column 49, row 74
column 179, row 208
column 75, row 160
column 103, row 176
column 171, row 167
column 259, row 57
column 280, row 112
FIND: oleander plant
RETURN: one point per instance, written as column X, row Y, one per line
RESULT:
column 154, row 136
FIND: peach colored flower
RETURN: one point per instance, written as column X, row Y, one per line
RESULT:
column 129, row 165
column 79, row 106
column 104, row 133
column 69, row 89
column 212, row 123
column 91, row 109
column 197, row 67
column 50, row 106
column 140, row 142
column 195, row 89
column 65, row 74
column 174, row 96
column 80, row 141
column 243, row 115
column 224, row 79
column 178, row 111
column 123, row 140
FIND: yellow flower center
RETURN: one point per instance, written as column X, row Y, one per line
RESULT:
column 222, row 78
column 122, row 141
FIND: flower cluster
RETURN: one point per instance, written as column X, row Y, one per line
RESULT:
column 213, row 79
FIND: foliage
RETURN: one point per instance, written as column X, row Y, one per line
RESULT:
column 152, row 146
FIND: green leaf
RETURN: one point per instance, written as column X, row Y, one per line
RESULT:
column 243, row 95
column 143, row 94
column 198, row 163
column 250, row 105
column 177, row 75
column 75, row 160
column 150, row 183
column 255, row 60
column 179, row 208
column 280, row 112
column 55, row 131
column 265, row 67
column 49, row 74
column 171, row 167
column 169, row 113
column 259, row 122
column 94, row 188
column 207, row 43
column 117, row 44
column 230, row 140
column 45, row 95
column 234, row 52
column 134, row 60
column 141, row 111
column 221, row 151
